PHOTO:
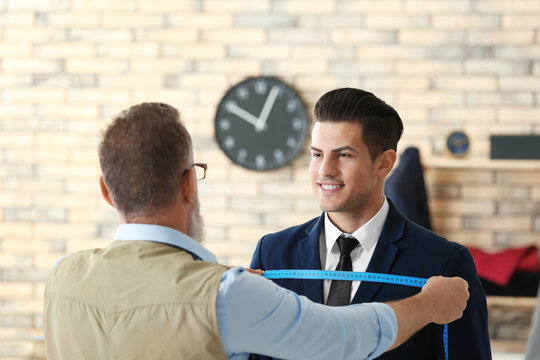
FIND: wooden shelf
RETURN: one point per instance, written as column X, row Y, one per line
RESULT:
column 482, row 164
column 511, row 301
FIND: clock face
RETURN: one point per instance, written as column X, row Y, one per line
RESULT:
column 261, row 124
column 458, row 143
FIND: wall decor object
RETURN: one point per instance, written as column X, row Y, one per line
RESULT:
column 261, row 123
column 523, row 147
column 457, row 144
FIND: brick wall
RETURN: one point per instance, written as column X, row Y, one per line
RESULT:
column 67, row 66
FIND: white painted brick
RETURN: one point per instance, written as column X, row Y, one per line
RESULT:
column 131, row 20
column 233, row 36
column 15, row 50
column 161, row 66
column 520, row 21
column 465, row 83
column 391, row 52
column 202, row 20
column 27, row 34
column 94, row 66
column 508, row 7
column 517, row 52
column 196, row 51
column 440, row 6
column 241, row 67
column 397, row 21
column 266, row 21
column 485, row 115
column 166, row 6
column 370, row 7
column 28, row 65
column 99, row 35
column 428, row 67
column 129, row 81
column 464, row 21
column 309, row 81
column 519, row 114
column 137, row 50
column 353, row 36
column 296, row 67
column 355, row 68
column 17, row 19
column 396, row 83
column 319, row 52
column 175, row 97
column 506, row 37
column 102, row 5
column 431, row 97
column 497, row 67
column 236, row 6
column 64, row 50
column 99, row 96
column 430, row 37
column 70, row 19
column 259, row 52
column 168, row 35
column 299, row 6
column 36, row 5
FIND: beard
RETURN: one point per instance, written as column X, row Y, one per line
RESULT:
column 196, row 227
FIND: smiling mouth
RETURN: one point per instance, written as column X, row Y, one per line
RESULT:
column 330, row 187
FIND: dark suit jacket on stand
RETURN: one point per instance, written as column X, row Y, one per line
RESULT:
column 403, row 248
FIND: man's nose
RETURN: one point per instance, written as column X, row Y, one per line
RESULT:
column 327, row 167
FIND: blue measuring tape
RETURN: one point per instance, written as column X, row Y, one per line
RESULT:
column 354, row 276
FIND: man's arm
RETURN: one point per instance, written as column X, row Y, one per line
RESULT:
column 442, row 300
column 257, row 316
column 469, row 337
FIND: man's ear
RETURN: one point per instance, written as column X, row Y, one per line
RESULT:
column 385, row 162
column 188, row 186
column 105, row 191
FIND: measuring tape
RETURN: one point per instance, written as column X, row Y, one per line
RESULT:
column 354, row 276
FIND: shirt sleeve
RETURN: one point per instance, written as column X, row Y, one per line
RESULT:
column 256, row 316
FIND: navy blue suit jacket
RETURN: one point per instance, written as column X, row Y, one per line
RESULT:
column 403, row 248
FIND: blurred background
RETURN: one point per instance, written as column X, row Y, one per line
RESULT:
column 68, row 66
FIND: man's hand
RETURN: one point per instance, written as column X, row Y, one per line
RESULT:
column 447, row 298
column 253, row 271
column 442, row 300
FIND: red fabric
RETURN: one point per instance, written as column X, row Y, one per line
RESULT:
column 498, row 267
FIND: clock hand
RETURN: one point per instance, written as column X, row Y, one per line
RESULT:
column 241, row 113
column 261, row 122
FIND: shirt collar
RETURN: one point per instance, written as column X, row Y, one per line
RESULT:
column 164, row 235
column 367, row 234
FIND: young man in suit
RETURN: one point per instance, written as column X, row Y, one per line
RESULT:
column 353, row 147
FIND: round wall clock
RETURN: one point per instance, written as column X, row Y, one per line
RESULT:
column 261, row 123
column 457, row 143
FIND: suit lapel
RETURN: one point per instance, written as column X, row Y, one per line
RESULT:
column 308, row 250
column 384, row 255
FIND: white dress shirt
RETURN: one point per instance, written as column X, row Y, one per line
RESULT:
column 367, row 235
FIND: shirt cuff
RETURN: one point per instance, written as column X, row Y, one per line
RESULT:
column 388, row 327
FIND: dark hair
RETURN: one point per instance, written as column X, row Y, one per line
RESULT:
column 142, row 156
column 381, row 124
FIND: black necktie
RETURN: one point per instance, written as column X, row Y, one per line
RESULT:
column 340, row 290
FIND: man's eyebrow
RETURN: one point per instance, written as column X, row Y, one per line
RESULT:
column 339, row 149
column 343, row 148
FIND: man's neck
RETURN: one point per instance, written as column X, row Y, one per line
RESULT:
column 162, row 219
column 350, row 221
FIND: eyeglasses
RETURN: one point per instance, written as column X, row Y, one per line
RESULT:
column 200, row 170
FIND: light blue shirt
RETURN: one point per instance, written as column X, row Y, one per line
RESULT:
column 256, row 316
